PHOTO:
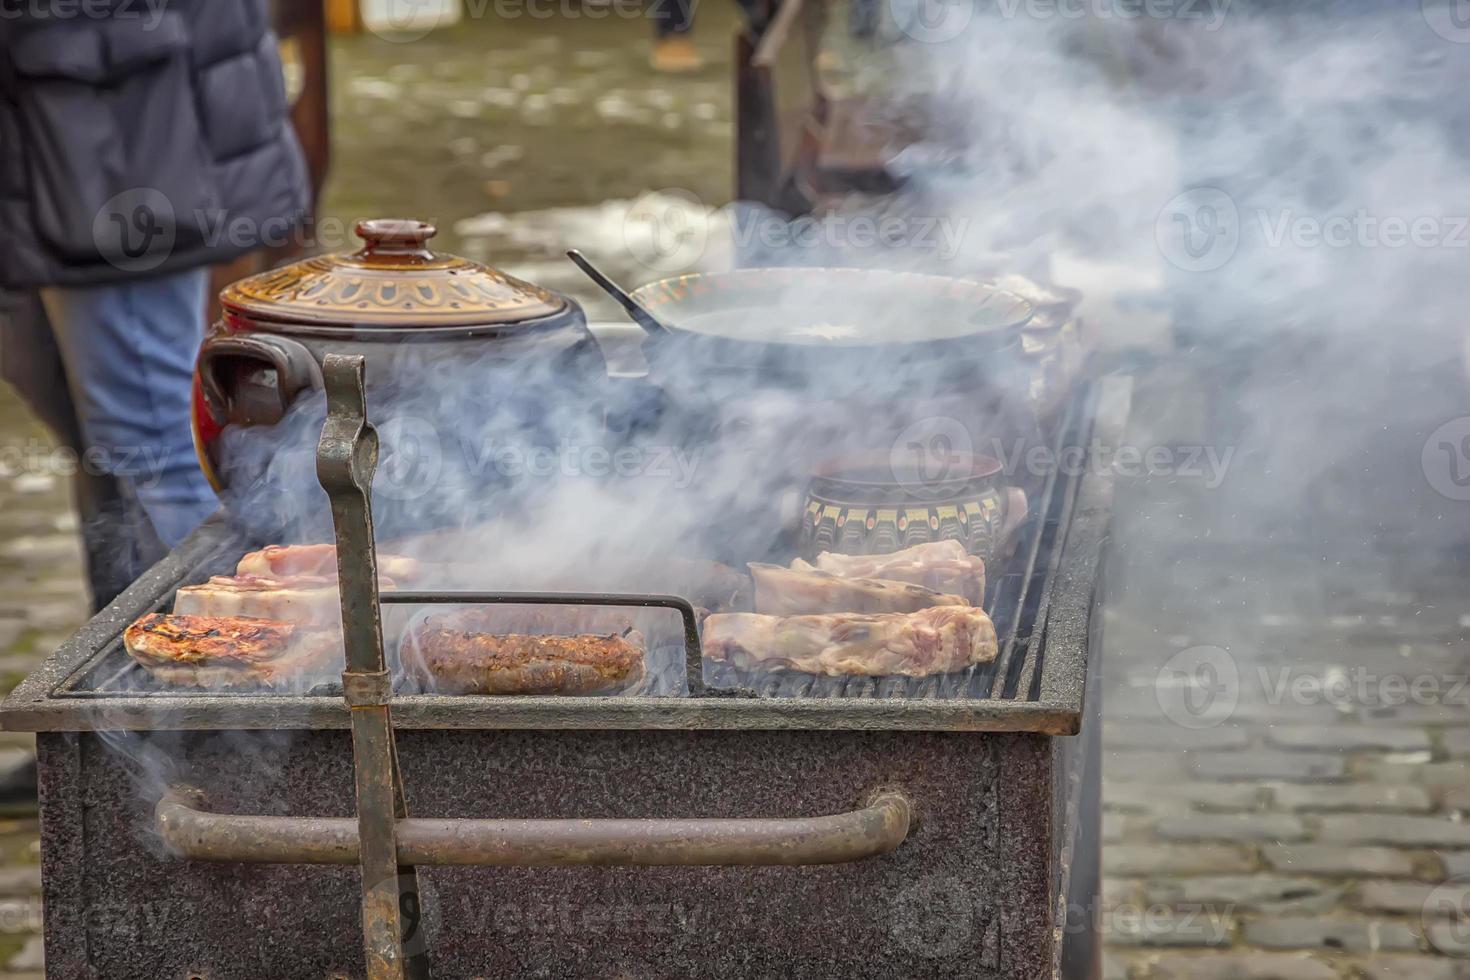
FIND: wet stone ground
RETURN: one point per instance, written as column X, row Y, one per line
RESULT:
column 1287, row 733
column 519, row 138
column 42, row 601
column 1286, row 783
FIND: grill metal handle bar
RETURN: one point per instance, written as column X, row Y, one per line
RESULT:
column 877, row 828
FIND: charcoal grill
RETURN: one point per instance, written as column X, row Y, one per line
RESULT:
column 720, row 834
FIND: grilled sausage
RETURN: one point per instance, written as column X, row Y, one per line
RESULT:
column 462, row 662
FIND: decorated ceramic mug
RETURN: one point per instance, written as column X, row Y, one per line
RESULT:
column 871, row 505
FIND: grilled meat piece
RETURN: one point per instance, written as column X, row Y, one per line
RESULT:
column 940, row 640
column 706, row 584
column 283, row 561
column 307, row 600
column 231, row 651
column 944, row 566
column 799, row 592
column 464, row 662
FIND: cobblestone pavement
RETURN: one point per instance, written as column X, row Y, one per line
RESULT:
column 1286, row 798
column 1286, row 739
column 42, row 602
column 1287, row 742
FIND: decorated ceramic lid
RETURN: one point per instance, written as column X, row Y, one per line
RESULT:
column 393, row 280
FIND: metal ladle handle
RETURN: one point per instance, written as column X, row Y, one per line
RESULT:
column 635, row 310
column 876, row 828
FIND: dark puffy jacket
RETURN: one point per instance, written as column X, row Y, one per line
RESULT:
column 139, row 137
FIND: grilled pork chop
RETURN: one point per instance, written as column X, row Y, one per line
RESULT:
column 283, row 561
column 798, row 592
column 944, row 566
column 940, row 640
column 306, row 600
column 226, row 651
column 467, row 662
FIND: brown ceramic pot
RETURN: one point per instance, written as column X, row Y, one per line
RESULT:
column 267, row 348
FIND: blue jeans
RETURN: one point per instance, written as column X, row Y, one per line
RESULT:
column 129, row 352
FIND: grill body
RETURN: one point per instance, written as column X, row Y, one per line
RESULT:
column 997, row 878
column 971, row 893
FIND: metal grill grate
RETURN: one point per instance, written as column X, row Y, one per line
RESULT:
column 1017, row 601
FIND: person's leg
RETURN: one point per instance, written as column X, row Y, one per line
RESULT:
column 117, row 545
column 129, row 351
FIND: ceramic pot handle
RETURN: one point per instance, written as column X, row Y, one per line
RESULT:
column 266, row 398
column 621, row 346
column 391, row 239
column 633, row 401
